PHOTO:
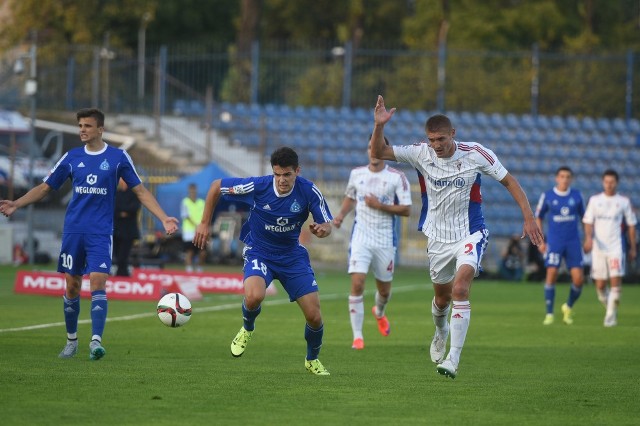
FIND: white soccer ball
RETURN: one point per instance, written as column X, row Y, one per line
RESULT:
column 174, row 309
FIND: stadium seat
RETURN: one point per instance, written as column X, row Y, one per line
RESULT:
column 557, row 122
column 527, row 121
column 604, row 125
column 497, row 120
column 588, row 124
column 572, row 123
column 512, row 121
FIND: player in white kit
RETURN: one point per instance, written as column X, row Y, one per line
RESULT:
column 450, row 174
column 378, row 193
column 606, row 213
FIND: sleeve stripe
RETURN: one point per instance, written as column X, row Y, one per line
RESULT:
column 323, row 203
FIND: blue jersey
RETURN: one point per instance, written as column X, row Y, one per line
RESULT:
column 94, row 180
column 565, row 210
column 275, row 220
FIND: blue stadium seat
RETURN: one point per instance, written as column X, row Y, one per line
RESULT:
column 543, row 122
column 511, row 120
column 557, row 122
column 604, row 125
column 572, row 123
column 633, row 125
column 588, row 124
column 527, row 121
column 619, row 125
column 497, row 120
column 481, row 119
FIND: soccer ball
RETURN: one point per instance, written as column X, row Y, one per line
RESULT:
column 174, row 309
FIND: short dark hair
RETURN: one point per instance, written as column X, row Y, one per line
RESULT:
column 284, row 157
column 438, row 122
column 611, row 172
column 564, row 169
column 91, row 112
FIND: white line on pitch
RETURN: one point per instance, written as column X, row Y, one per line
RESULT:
column 199, row 309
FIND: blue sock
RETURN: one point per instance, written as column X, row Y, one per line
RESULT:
column 574, row 294
column 98, row 313
column 71, row 313
column 314, row 341
column 549, row 296
column 249, row 317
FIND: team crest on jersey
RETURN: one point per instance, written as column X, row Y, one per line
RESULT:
column 92, row 179
column 295, row 207
column 104, row 165
column 571, row 202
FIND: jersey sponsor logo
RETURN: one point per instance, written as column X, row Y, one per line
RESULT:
column 282, row 225
column 295, row 207
column 441, row 183
column 104, row 165
column 90, row 190
column 92, row 179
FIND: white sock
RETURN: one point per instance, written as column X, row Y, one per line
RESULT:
column 356, row 313
column 612, row 301
column 381, row 303
column 602, row 295
column 460, row 316
column 440, row 316
column 96, row 337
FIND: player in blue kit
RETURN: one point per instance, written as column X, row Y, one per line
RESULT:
column 564, row 208
column 95, row 170
column 280, row 205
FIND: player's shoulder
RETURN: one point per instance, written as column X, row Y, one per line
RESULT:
column 476, row 151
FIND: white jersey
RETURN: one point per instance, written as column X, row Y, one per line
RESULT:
column 373, row 227
column 606, row 214
column 454, row 201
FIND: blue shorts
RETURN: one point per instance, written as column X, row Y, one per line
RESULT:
column 293, row 270
column 85, row 253
column 570, row 250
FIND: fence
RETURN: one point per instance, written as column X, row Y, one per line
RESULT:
column 327, row 75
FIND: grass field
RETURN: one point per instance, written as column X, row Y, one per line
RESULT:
column 513, row 370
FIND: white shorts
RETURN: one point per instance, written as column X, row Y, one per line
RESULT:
column 605, row 265
column 446, row 258
column 383, row 259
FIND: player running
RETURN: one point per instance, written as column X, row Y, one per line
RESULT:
column 454, row 224
column 280, row 205
column 378, row 193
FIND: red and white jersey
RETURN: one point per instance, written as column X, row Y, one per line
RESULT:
column 453, row 202
column 372, row 227
column 606, row 214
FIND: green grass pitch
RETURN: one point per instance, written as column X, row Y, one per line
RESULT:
column 513, row 371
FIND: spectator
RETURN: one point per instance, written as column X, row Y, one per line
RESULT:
column 125, row 226
column 512, row 260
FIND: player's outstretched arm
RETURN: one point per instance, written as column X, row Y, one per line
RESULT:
column 203, row 229
column 530, row 227
column 147, row 199
column 320, row 230
column 8, row 207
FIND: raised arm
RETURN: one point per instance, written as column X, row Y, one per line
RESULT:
column 381, row 116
